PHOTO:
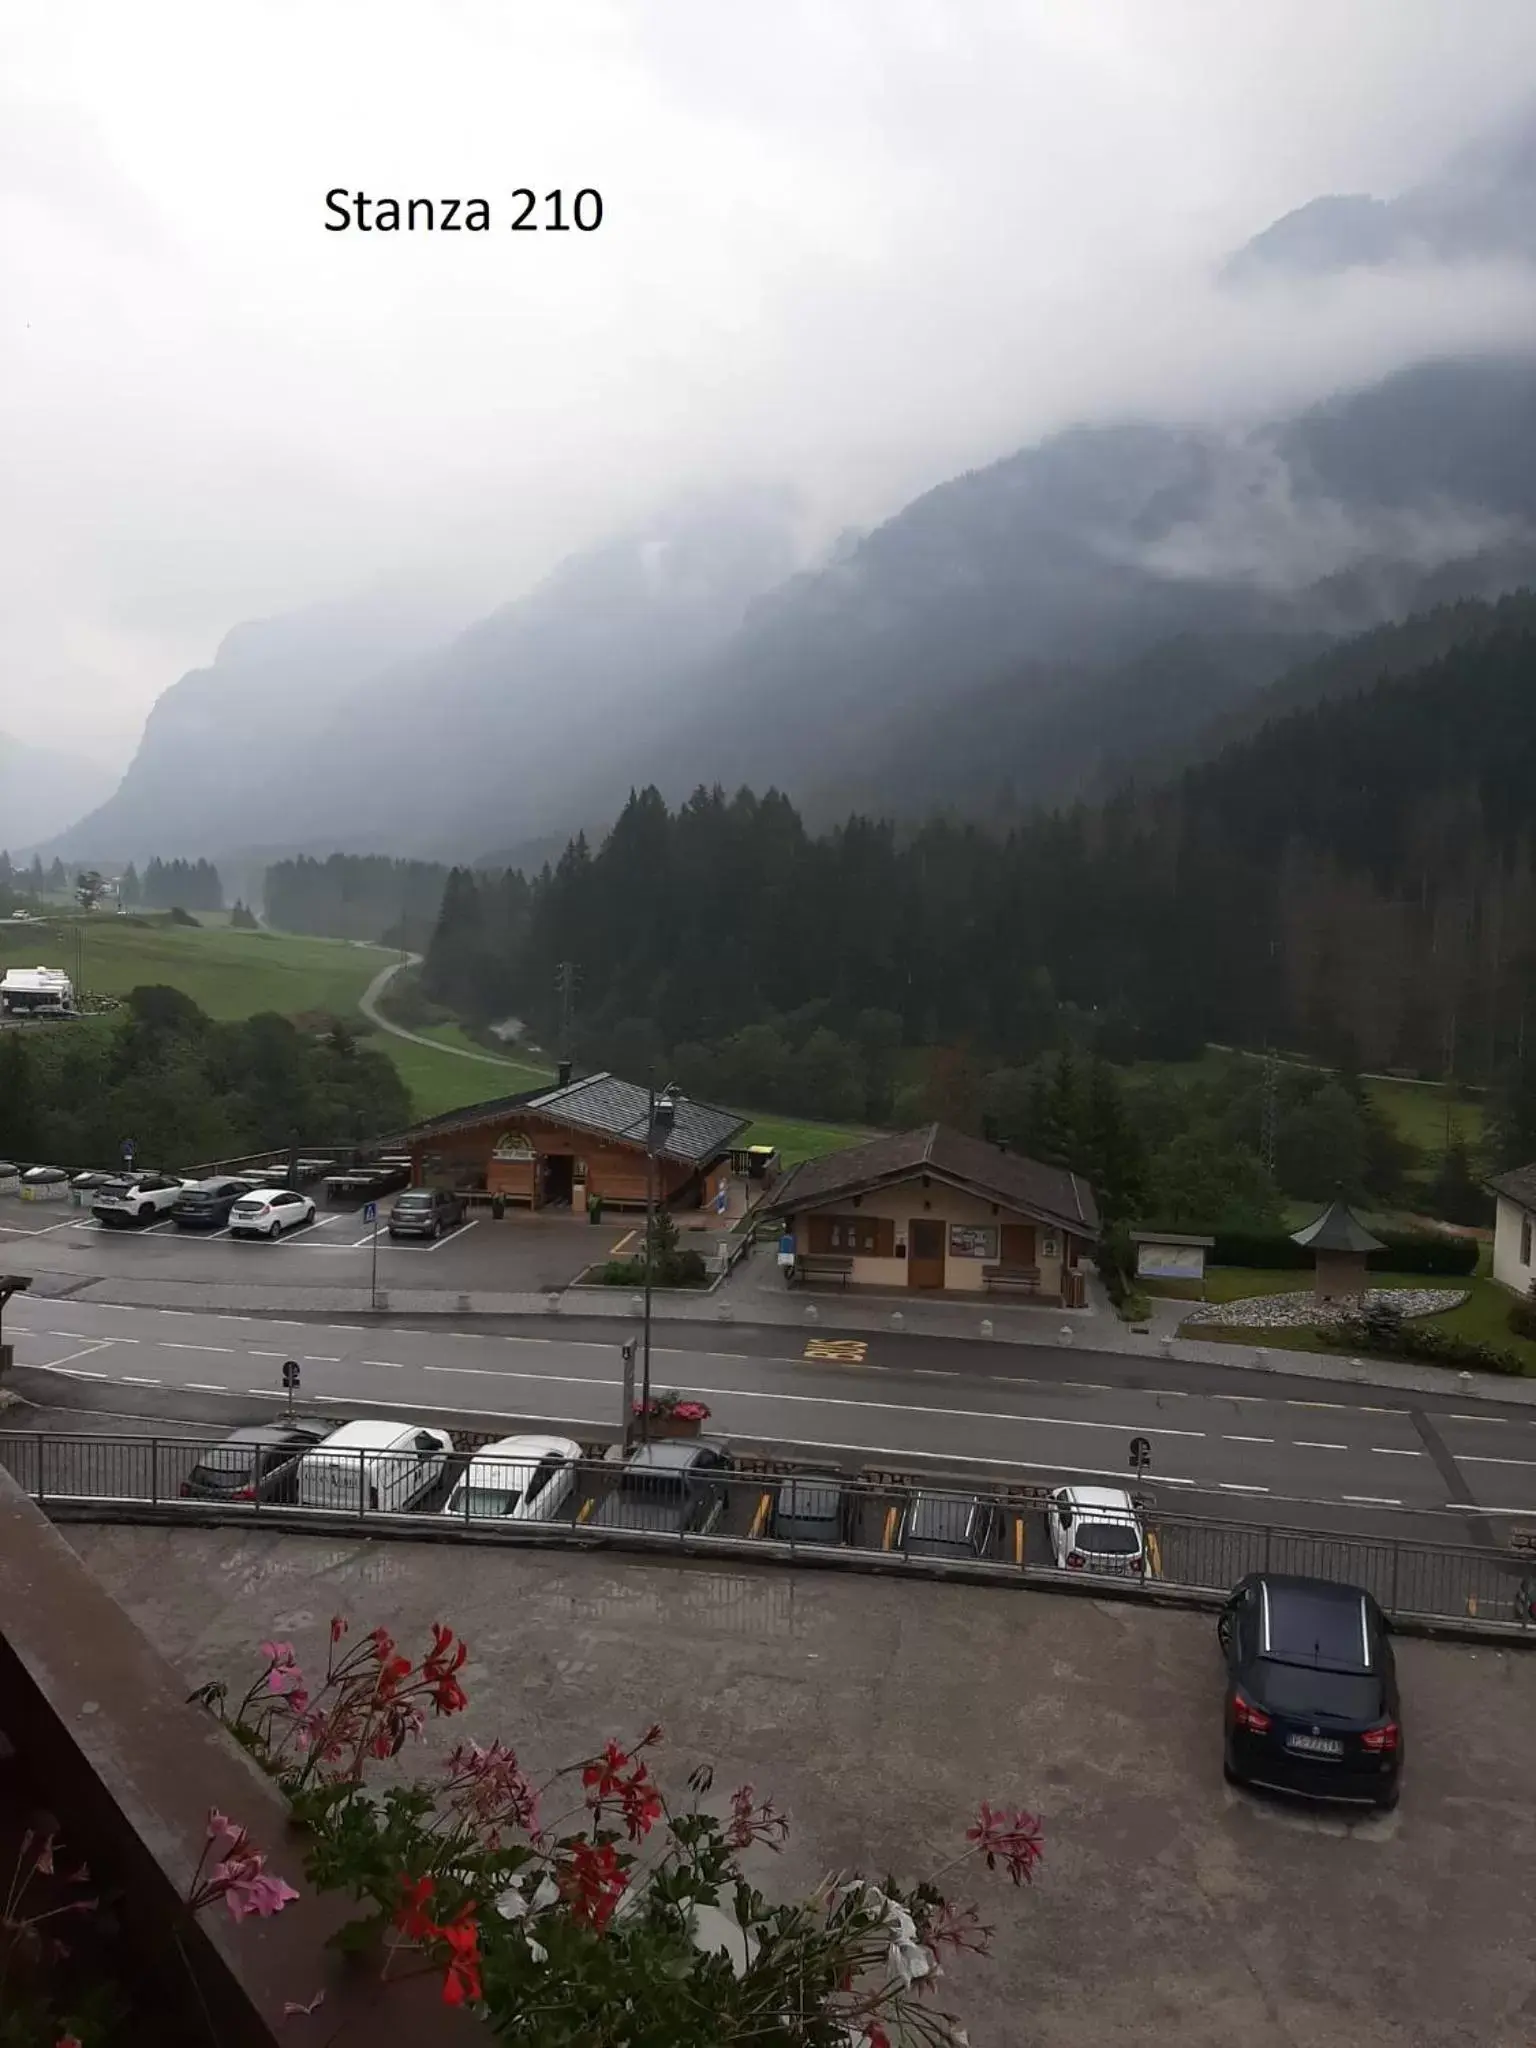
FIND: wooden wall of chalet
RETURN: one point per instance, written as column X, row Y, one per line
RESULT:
column 464, row 1159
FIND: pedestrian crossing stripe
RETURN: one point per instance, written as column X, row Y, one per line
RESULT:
column 844, row 1350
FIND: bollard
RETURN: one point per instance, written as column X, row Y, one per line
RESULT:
column 810, row 1314
column 1260, row 1356
column 986, row 1326
column 637, row 1305
column 724, row 1312
column 1167, row 1343
column 1358, row 1364
column 1066, row 1333
column 897, row 1319
column 554, row 1304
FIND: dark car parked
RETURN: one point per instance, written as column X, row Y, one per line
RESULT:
column 426, row 1212
column 812, row 1509
column 953, row 1525
column 675, row 1487
column 1312, row 1703
column 206, row 1204
column 261, row 1462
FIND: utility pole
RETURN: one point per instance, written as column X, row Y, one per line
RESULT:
column 661, row 1115
column 1270, row 1109
column 566, row 978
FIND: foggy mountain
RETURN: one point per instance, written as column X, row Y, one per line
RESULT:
column 1026, row 632
column 1481, row 206
column 41, row 790
column 220, row 747
column 342, row 730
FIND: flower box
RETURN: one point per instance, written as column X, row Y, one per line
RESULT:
column 669, row 1415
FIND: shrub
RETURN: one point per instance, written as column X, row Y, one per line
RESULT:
column 1522, row 1316
column 1383, row 1330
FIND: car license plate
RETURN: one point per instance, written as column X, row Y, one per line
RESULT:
column 1315, row 1745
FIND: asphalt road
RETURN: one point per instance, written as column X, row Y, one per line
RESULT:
column 1298, row 1452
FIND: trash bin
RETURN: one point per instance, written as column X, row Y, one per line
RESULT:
column 498, row 1206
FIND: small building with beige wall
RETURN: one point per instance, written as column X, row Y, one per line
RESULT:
column 935, row 1211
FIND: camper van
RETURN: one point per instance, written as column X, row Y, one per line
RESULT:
column 369, row 1467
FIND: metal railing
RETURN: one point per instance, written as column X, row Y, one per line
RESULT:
column 743, row 1509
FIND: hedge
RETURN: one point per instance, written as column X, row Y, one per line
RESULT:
column 1383, row 1330
column 1407, row 1252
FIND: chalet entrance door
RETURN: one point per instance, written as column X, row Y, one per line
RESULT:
column 925, row 1252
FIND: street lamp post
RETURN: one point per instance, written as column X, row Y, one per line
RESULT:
column 660, row 1115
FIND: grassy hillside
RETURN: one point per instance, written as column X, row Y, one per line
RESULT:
column 229, row 974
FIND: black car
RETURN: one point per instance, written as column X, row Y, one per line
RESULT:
column 954, row 1525
column 1311, row 1702
column 426, row 1212
column 811, row 1508
column 257, row 1463
column 673, row 1487
column 205, row 1204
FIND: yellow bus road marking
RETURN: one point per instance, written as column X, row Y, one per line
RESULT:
column 842, row 1350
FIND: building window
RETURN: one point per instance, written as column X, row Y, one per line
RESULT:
column 1525, row 1240
column 860, row 1237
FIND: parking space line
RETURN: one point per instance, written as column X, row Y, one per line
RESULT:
column 87, row 1351
column 452, row 1234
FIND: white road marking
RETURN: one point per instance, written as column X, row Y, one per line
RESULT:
column 1369, row 1500
column 1389, row 1451
column 129, row 1379
column 318, row 1358
column 264, row 1354
column 394, row 1364
column 81, row 1336
column 1472, row 1458
column 1305, row 1444
column 1293, row 1403
column 204, row 1387
column 352, row 1329
column 1247, row 1439
column 69, row 1372
column 1236, row 1486
column 1504, row 1421
column 87, row 1351
column 169, row 1346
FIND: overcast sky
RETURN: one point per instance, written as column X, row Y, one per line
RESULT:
column 852, row 244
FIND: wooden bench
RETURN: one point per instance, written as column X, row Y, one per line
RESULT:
column 823, row 1266
column 1011, row 1279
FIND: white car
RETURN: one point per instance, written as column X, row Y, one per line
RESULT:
column 368, row 1466
column 268, row 1212
column 518, row 1479
column 1096, row 1529
column 135, row 1198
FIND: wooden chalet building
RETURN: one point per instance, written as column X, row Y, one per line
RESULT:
column 557, row 1147
column 936, row 1211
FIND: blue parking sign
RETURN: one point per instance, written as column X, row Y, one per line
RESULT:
column 370, row 1212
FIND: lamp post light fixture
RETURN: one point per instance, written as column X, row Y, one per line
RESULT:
column 660, row 1117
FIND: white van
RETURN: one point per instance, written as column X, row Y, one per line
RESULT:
column 367, row 1466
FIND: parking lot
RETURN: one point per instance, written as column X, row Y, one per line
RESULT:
column 1169, row 1907
column 794, row 1511
column 516, row 1253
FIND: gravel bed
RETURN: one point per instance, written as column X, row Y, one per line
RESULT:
column 1301, row 1311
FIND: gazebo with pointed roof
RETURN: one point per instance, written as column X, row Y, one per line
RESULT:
column 1339, row 1242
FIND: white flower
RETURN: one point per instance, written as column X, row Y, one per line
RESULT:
column 511, row 1904
column 909, row 1960
column 537, row 1950
column 545, row 1893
